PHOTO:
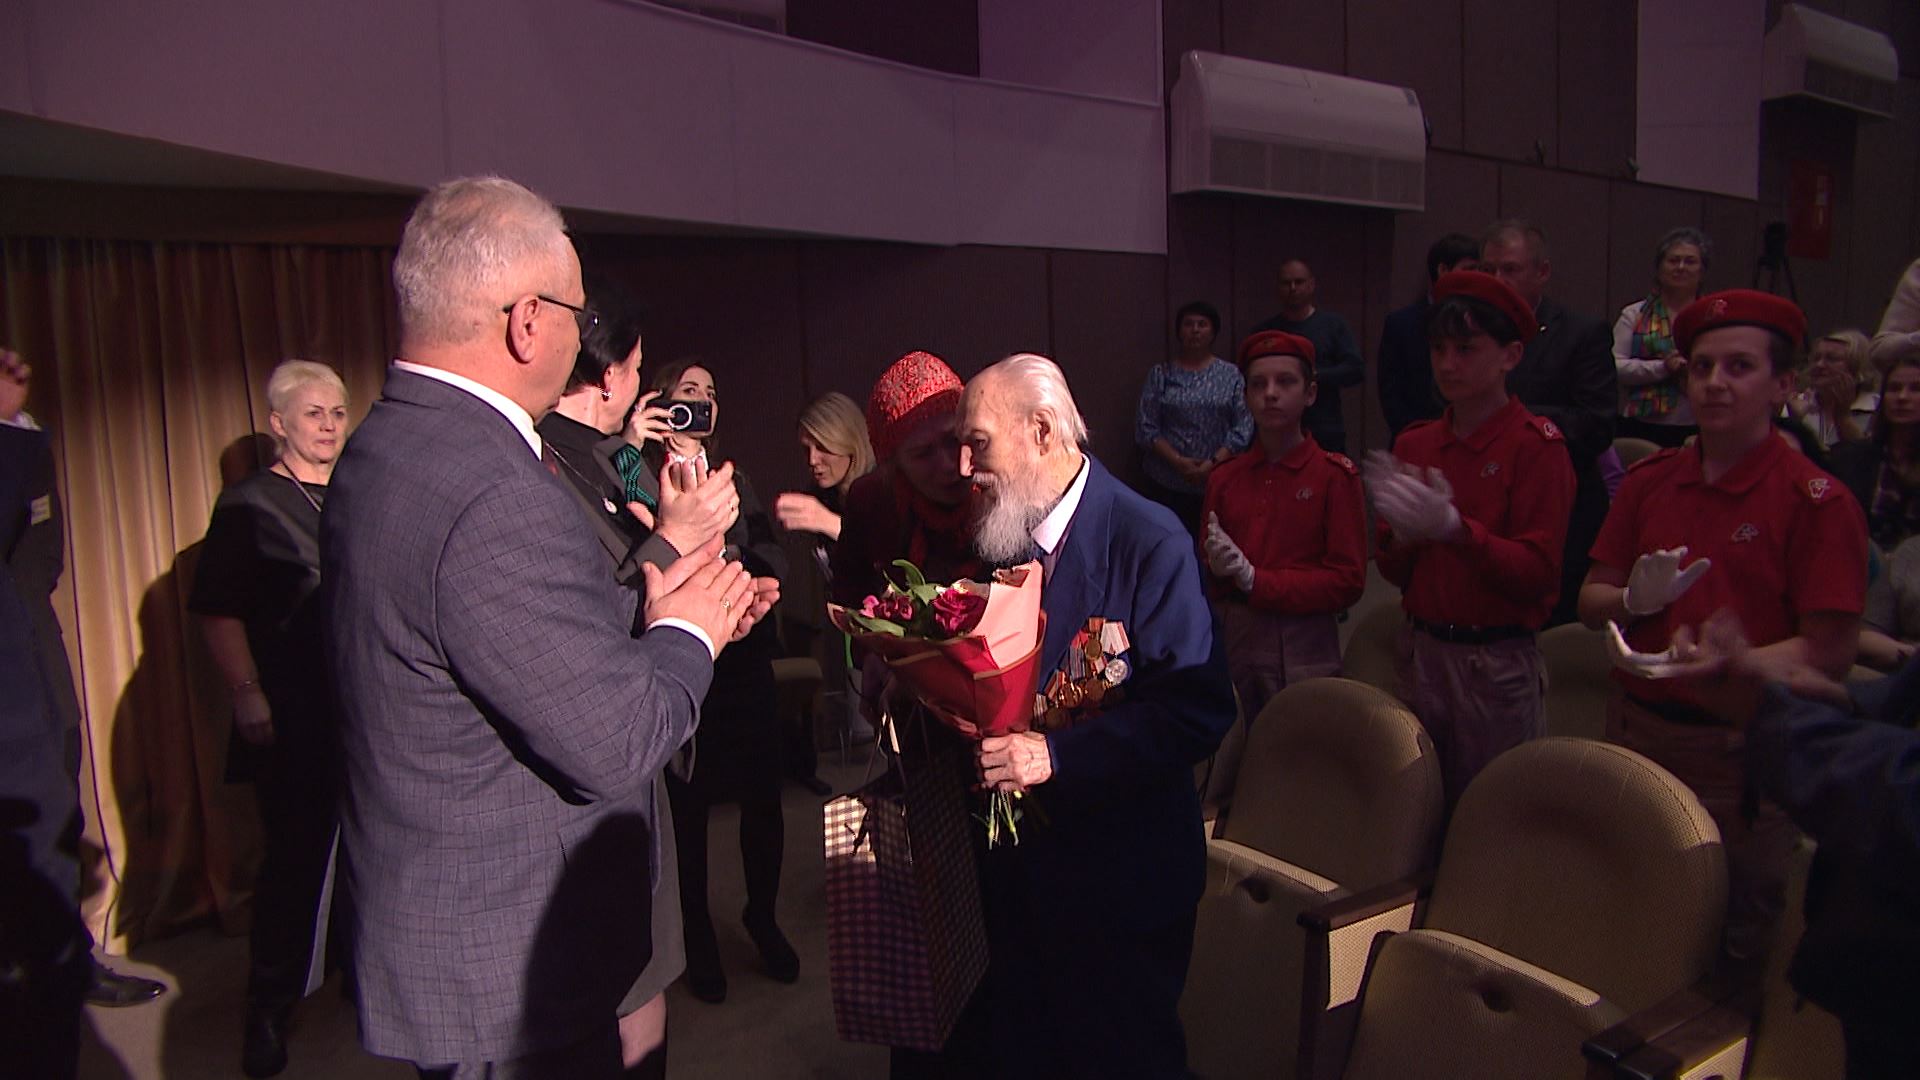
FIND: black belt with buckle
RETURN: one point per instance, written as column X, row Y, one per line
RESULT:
column 1456, row 634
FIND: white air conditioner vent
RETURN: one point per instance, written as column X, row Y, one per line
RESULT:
column 1812, row 54
column 1265, row 129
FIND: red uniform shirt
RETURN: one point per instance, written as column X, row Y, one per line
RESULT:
column 1513, row 485
column 1300, row 523
column 1785, row 538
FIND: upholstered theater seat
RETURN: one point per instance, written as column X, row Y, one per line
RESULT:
column 1577, row 682
column 1338, row 792
column 1375, row 642
column 1579, row 883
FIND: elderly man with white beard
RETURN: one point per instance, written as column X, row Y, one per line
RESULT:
column 1090, row 917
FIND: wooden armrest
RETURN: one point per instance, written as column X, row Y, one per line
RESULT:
column 1342, row 937
column 1699, row 1032
column 1344, row 912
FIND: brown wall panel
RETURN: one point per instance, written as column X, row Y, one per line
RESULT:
column 940, row 34
column 1200, row 243
column 1638, row 215
column 1881, row 209
column 1734, row 226
column 1598, row 85
column 1572, row 211
column 1107, row 330
column 1412, row 43
column 1300, row 33
column 1462, row 197
column 1511, row 56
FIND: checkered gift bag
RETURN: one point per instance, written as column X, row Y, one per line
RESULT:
column 905, row 941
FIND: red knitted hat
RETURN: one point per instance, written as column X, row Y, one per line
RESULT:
column 914, row 388
column 1738, row 307
column 1482, row 286
column 1276, row 343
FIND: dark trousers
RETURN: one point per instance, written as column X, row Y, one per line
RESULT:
column 597, row 1057
column 46, row 960
column 296, row 794
column 1876, row 1052
column 762, row 846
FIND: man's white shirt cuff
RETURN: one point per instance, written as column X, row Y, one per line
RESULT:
column 682, row 624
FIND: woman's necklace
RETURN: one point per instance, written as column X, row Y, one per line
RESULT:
column 311, row 501
column 585, row 484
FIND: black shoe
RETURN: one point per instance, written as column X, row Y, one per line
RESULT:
column 113, row 989
column 263, row 1043
column 705, row 979
column 776, row 952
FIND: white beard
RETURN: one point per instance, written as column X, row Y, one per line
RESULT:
column 1005, row 519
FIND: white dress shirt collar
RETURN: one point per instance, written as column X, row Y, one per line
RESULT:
column 1051, row 533
column 505, row 406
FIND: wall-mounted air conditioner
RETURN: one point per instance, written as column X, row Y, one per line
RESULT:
column 1812, row 54
column 1264, row 129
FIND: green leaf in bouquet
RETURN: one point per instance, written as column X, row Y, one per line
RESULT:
column 923, row 593
column 911, row 572
column 876, row 626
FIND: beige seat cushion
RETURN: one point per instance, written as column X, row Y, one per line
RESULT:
column 1340, row 778
column 1242, row 1006
column 1373, row 645
column 1590, row 861
column 1441, row 1007
column 1577, row 682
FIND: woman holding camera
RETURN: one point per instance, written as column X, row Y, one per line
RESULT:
column 738, row 747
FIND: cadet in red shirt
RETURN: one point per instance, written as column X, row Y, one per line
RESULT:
column 1473, row 514
column 1285, row 539
column 1738, row 521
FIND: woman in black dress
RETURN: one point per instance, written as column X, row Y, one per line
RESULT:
column 254, row 590
column 737, row 748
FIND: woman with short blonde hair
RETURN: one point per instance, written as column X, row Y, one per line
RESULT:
column 1839, row 401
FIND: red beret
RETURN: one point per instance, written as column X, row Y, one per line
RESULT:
column 1738, row 307
column 1482, row 286
column 1276, row 343
column 914, row 388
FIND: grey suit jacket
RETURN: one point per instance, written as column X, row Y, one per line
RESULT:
column 501, row 730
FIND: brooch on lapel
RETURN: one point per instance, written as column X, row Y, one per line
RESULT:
column 1089, row 679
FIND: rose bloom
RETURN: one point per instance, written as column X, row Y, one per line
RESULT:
column 956, row 612
column 893, row 608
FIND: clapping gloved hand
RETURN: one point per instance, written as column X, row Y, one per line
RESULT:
column 1657, row 580
column 1417, row 505
column 1225, row 558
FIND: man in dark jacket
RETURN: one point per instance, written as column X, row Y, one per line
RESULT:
column 1405, row 368
column 1567, row 376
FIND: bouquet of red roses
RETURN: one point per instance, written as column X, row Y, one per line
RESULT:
column 970, row 651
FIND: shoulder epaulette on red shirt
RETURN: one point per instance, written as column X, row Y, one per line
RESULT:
column 1343, row 461
column 1547, row 428
column 1658, row 455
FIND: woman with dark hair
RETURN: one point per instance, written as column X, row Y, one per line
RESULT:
column 583, row 431
column 1883, row 470
column 1192, row 416
column 738, row 748
column 1653, row 393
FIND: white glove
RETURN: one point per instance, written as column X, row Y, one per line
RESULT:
column 1225, row 558
column 1658, row 665
column 1657, row 580
column 1416, row 510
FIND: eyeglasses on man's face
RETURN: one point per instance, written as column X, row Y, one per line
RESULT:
column 585, row 317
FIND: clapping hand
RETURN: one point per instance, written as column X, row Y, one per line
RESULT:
column 1417, row 506
column 760, row 600
column 1225, row 558
column 696, row 504
column 1657, row 580
column 703, row 589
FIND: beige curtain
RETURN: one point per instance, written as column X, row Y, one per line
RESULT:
column 150, row 361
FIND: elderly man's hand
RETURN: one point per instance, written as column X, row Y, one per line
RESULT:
column 703, row 589
column 765, row 594
column 252, row 715
column 1015, row 762
column 14, row 373
column 696, row 504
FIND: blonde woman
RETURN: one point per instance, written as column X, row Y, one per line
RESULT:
column 833, row 432
column 1839, row 401
column 255, row 591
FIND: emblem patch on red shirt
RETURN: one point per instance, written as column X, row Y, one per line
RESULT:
column 1746, row 532
column 1303, row 494
column 1489, row 468
column 1552, row 431
column 1817, row 487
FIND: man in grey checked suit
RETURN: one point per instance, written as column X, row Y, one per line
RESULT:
column 501, row 726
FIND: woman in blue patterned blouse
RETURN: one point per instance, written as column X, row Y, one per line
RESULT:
column 1193, row 416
